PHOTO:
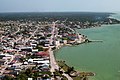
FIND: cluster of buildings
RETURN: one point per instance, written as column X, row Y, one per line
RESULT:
column 26, row 45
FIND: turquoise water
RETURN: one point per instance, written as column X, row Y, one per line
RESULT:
column 117, row 15
column 103, row 58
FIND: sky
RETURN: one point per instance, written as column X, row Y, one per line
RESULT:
column 59, row 5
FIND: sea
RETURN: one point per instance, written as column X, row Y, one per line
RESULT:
column 102, row 58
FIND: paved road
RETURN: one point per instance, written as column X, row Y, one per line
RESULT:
column 18, row 39
column 6, row 65
column 54, row 65
column 11, row 34
column 16, row 31
column 53, row 62
column 31, row 36
column 12, row 57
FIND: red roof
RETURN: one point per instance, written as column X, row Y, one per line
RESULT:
column 71, row 34
column 9, row 50
column 42, row 53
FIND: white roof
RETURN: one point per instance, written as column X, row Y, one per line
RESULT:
column 17, row 64
column 39, row 61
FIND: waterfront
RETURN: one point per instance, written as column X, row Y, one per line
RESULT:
column 34, row 42
column 99, row 57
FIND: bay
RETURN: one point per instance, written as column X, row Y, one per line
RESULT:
column 103, row 58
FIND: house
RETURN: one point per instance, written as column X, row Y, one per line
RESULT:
column 29, row 49
column 41, row 60
column 34, row 50
column 42, row 54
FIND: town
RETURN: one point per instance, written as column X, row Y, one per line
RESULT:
column 27, row 48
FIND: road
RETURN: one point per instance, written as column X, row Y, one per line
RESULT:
column 6, row 65
column 18, row 39
column 31, row 36
column 52, row 58
column 12, row 57
column 16, row 31
column 53, row 61
column 11, row 34
column 54, row 65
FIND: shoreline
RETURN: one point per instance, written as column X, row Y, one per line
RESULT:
column 103, row 26
column 56, row 36
column 83, row 73
column 64, row 45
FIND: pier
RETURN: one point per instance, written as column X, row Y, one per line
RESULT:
column 94, row 40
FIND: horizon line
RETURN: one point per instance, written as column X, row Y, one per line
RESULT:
column 54, row 11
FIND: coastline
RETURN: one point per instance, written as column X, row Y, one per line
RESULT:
column 78, row 74
column 104, row 27
column 64, row 45
column 77, row 42
column 72, row 38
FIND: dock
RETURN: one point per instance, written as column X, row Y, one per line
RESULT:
column 94, row 41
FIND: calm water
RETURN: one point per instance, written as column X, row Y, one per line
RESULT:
column 103, row 58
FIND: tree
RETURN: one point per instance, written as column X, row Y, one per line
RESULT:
column 35, row 75
column 39, row 48
column 28, row 72
column 22, row 76
column 70, row 69
column 8, row 78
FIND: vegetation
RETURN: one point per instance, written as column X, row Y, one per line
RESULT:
column 8, row 78
column 71, row 16
column 49, row 35
column 65, row 67
column 40, row 48
column 59, row 73
column 24, row 75
column 68, row 70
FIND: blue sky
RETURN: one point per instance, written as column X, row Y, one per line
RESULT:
column 59, row 5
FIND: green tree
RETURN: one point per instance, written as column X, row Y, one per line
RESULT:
column 22, row 76
column 8, row 78
column 40, row 48
column 28, row 72
column 35, row 75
